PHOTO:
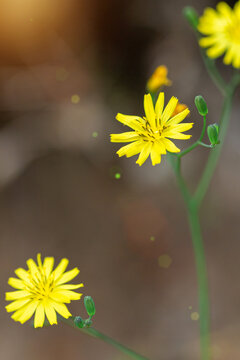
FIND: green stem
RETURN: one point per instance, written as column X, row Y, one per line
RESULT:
column 215, row 153
column 198, row 142
column 202, row 277
column 98, row 335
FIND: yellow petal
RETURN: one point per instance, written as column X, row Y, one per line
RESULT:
column 159, row 106
column 124, row 137
column 60, row 268
column 216, row 50
column 69, row 286
column 170, row 146
column 48, row 265
column 39, row 316
column 177, row 135
column 169, row 109
column 50, row 313
column 15, row 305
column 61, row 309
column 155, row 155
column 144, row 153
column 131, row 149
column 134, row 122
column 179, row 117
column 22, row 274
column 14, row 295
column 16, row 283
column 149, row 110
column 181, row 127
column 33, row 267
column 27, row 312
column 64, row 295
column 67, row 276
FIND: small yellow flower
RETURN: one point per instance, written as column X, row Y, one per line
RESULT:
column 222, row 30
column 151, row 133
column 159, row 78
column 42, row 290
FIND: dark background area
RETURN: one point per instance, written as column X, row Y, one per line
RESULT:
column 59, row 195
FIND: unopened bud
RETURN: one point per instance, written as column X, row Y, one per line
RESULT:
column 191, row 16
column 89, row 305
column 213, row 131
column 79, row 322
column 88, row 322
column 201, row 105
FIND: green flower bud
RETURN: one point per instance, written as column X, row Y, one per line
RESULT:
column 89, row 305
column 213, row 131
column 201, row 105
column 191, row 16
column 88, row 322
column 79, row 322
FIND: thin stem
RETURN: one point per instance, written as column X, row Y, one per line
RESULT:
column 212, row 69
column 202, row 277
column 215, row 153
column 198, row 142
column 98, row 335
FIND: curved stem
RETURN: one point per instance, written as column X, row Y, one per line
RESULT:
column 198, row 142
column 215, row 153
column 98, row 335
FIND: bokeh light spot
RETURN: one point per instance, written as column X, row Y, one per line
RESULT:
column 95, row 134
column 152, row 238
column 75, row 99
column 194, row 316
column 117, row 176
column 164, row 261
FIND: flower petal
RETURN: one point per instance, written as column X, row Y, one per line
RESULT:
column 131, row 149
column 144, row 153
column 124, row 137
column 15, row 305
column 48, row 265
column 61, row 309
column 169, row 109
column 14, row 295
column 149, row 110
column 50, row 313
column 170, row 146
column 134, row 122
column 67, row 276
column 179, row 117
column 159, row 106
column 60, row 268
column 39, row 316
column 16, row 283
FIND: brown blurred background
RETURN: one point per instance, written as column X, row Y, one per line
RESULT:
column 66, row 68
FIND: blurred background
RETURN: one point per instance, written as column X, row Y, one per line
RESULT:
column 66, row 68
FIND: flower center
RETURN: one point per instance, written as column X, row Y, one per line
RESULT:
column 41, row 285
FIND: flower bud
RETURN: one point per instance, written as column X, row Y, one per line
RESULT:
column 88, row 322
column 89, row 305
column 79, row 322
column 213, row 131
column 201, row 105
column 191, row 16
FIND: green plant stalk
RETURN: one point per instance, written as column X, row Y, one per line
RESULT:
column 193, row 204
column 215, row 153
column 98, row 335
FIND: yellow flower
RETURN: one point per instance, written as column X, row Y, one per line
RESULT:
column 151, row 133
column 158, row 79
column 42, row 290
column 222, row 30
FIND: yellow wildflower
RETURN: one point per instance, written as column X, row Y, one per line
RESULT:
column 42, row 290
column 151, row 133
column 222, row 30
column 159, row 78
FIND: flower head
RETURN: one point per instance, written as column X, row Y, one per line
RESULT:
column 159, row 78
column 222, row 30
column 42, row 290
column 151, row 133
